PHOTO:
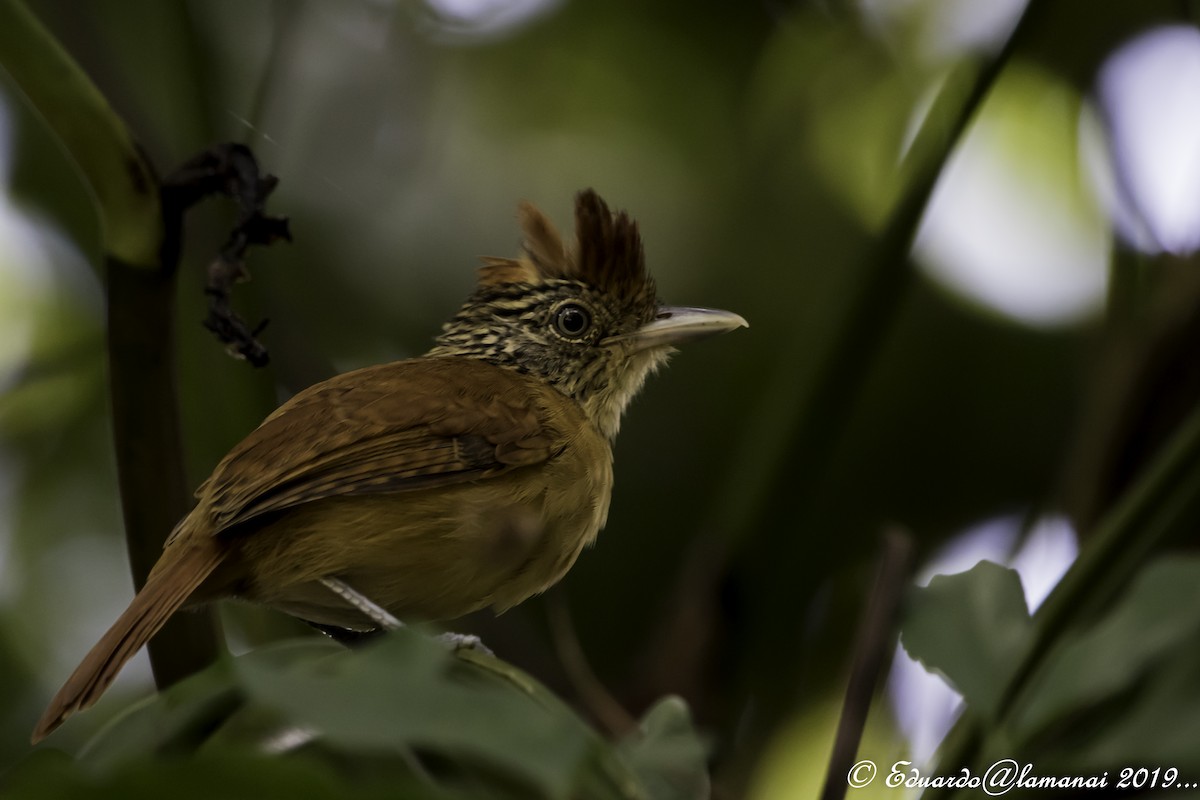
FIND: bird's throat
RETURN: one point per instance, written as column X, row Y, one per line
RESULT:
column 605, row 402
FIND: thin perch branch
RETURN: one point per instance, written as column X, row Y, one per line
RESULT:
column 611, row 715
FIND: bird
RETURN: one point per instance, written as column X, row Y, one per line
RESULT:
column 428, row 488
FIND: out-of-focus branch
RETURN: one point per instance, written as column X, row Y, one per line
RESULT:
column 611, row 715
column 794, row 446
column 876, row 637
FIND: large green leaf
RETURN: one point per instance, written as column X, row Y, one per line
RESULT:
column 1134, row 652
column 122, row 181
column 401, row 693
column 970, row 628
column 403, row 708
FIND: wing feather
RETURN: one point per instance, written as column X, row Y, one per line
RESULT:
column 391, row 428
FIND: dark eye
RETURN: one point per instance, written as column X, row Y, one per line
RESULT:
column 572, row 320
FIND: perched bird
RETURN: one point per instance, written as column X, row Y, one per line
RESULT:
column 472, row 476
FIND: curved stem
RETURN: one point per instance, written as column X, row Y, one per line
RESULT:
column 117, row 173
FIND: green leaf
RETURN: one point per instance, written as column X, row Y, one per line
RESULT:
column 50, row 776
column 971, row 629
column 1147, row 627
column 191, row 713
column 29, row 776
column 666, row 753
column 122, row 182
column 387, row 711
column 1163, row 725
column 406, row 692
column 174, row 722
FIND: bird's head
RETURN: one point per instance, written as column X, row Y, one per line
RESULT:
column 585, row 318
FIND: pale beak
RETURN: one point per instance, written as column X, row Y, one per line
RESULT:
column 674, row 325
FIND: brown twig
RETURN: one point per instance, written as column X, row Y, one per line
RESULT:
column 603, row 707
column 231, row 170
column 876, row 636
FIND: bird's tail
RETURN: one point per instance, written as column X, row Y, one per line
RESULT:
column 182, row 568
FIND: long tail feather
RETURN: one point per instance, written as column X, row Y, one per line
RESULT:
column 183, row 567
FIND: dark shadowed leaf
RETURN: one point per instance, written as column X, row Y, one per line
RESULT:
column 1140, row 636
column 174, row 722
column 1161, row 728
column 51, row 776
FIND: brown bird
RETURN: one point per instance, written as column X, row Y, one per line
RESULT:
column 432, row 487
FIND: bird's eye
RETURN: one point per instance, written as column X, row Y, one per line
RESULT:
column 572, row 320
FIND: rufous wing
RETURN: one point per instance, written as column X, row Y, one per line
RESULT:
column 393, row 428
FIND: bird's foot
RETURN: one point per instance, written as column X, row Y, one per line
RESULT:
column 384, row 621
column 464, row 641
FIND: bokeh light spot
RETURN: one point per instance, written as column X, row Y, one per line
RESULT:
column 1149, row 93
column 485, row 19
column 924, row 705
column 1011, row 226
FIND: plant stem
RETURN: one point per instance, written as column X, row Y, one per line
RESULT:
column 1146, row 516
column 141, row 253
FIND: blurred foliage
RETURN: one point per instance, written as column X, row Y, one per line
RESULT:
column 970, row 627
column 1119, row 692
column 403, row 715
column 773, row 155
